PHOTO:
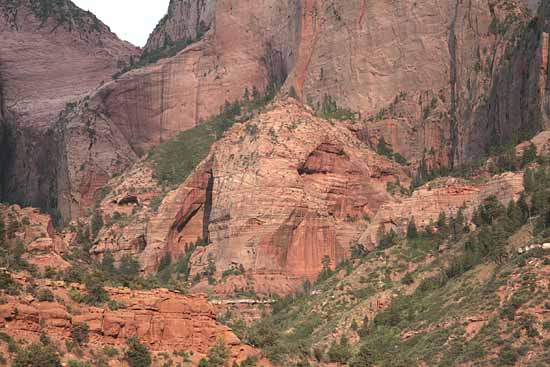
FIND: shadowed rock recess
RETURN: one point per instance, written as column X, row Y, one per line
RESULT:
column 276, row 183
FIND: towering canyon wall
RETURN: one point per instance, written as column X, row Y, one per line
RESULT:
column 419, row 72
column 425, row 75
column 53, row 54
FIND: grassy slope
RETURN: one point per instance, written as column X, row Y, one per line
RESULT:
column 490, row 315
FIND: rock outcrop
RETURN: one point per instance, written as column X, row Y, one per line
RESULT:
column 44, row 246
column 166, row 322
column 419, row 103
column 445, row 195
column 276, row 195
column 185, row 20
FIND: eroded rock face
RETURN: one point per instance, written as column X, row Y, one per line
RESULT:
column 89, row 149
column 234, row 53
column 185, row 20
column 275, row 195
column 518, row 103
column 434, row 99
column 446, row 195
column 280, row 192
column 128, row 235
column 164, row 321
column 44, row 246
column 454, row 90
column 53, row 54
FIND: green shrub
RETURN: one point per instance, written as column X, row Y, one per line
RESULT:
column 37, row 355
column 340, row 352
column 218, row 355
column 407, row 279
column 45, row 295
column 95, row 293
column 363, row 358
column 129, row 267
column 110, row 351
column 76, row 295
column 137, row 354
column 250, row 361
column 80, row 333
column 7, row 283
column 178, row 157
column 507, row 356
column 50, row 273
column 97, row 223
column 74, row 363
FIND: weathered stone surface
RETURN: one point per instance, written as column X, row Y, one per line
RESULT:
column 434, row 98
column 275, row 195
column 433, row 76
column 53, row 54
column 285, row 190
column 446, row 195
column 128, row 235
column 164, row 321
column 184, row 20
column 35, row 231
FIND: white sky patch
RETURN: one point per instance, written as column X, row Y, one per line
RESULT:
column 131, row 20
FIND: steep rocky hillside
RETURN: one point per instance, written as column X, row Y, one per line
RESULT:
column 54, row 301
column 274, row 197
column 53, row 54
column 443, row 76
column 350, row 182
column 423, row 72
column 449, row 294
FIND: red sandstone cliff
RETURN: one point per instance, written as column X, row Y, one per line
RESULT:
column 53, row 54
column 432, row 76
column 166, row 322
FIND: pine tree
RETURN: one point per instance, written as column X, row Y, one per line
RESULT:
column 490, row 210
column 529, row 155
column 453, row 228
column 460, row 224
column 386, row 240
column 524, row 208
column 382, row 147
column 442, row 227
column 364, row 331
column 129, row 267
column 529, row 180
column 514, row 214
column 326, row 263
column 108, row 262
column 2, row 229
column 476, row 218
column 412, row 232
column 498, row 251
